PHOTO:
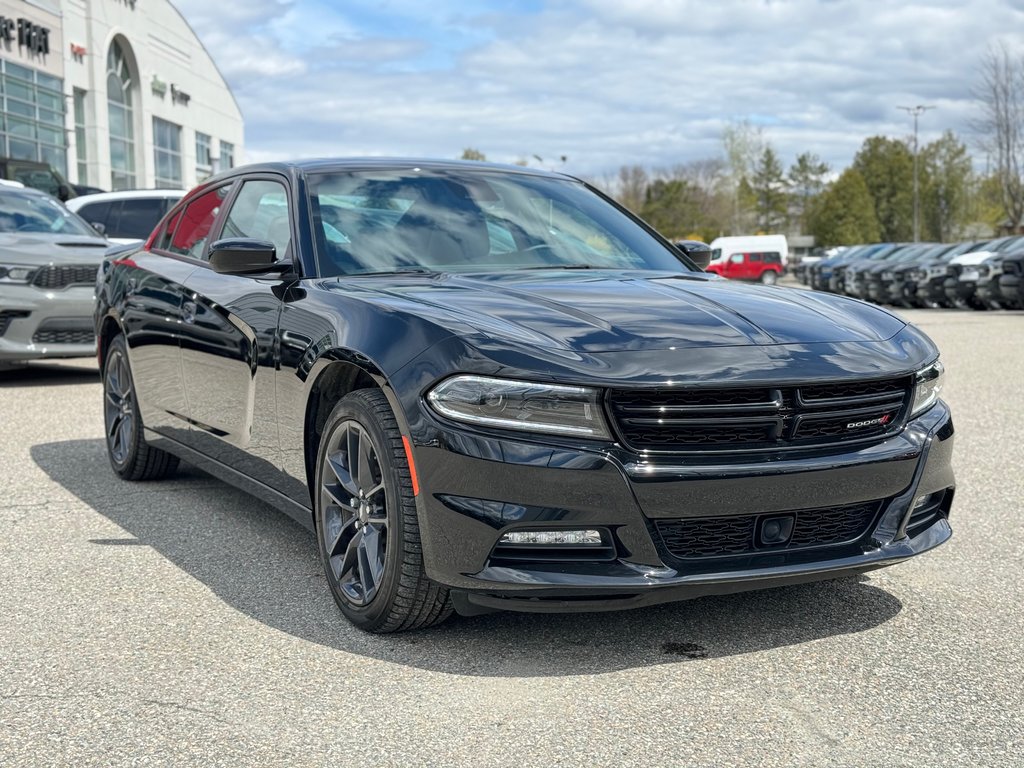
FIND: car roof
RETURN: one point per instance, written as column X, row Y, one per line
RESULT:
column 130, row 194
column 326, row 165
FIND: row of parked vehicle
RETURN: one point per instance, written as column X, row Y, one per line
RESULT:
column 984, row 274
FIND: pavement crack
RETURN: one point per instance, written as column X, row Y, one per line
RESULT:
column 177, row 705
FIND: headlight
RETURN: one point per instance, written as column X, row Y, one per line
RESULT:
column 928, row 385
column 12, row 273
column 521, row 405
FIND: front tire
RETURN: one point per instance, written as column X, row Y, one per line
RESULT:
column 366, row 523
column 131, row 457
column 769, row 277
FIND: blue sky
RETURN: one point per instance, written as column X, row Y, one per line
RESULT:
column 603, row 82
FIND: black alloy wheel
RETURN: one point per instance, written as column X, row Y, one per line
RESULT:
column 366, row 520
column 354, row 501
column 131, row 457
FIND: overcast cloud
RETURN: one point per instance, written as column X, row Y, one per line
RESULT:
column 604, row 82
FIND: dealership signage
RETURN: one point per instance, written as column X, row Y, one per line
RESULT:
column 30, row 35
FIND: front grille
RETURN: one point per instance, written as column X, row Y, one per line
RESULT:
column 67, row 336
column 757, row 418
column 64, row 275
column 702, row 537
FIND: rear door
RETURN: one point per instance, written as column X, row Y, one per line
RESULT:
column 152, row 312
column 230, row 347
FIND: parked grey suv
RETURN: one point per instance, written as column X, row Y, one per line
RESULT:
column 48, row 263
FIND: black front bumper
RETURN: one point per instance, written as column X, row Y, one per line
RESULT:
column 474, row 488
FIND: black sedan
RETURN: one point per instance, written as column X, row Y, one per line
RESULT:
column 490, row 388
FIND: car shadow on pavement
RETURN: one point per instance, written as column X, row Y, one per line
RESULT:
column 260, row 562
column 48, row 375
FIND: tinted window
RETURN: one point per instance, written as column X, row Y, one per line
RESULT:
column 381, row 221
column 137, row 218
column 754, row 257
column 95, row 213
column 261, row 211
column 193, row 224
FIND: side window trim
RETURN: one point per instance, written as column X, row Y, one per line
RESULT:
column 238, row 182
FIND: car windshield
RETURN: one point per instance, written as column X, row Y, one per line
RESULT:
column 23, row 212
column 469, row 221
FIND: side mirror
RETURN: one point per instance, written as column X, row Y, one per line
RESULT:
column 63, row 193
column 99, row 226
column 245, row 256
column 699, row 253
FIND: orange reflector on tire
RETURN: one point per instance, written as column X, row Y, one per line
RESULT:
column 412, row 466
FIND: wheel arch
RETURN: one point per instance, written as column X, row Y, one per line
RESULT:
column 335, row 374
column 109, row 328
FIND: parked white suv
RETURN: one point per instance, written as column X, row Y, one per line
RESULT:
column 125, row 217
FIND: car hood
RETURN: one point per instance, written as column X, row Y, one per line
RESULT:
column 597, row 311
column 972, row 258
column 31, row 248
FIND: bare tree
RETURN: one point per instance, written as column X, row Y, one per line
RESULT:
column 1001, row 125
column 632, row 187
column 743, row 143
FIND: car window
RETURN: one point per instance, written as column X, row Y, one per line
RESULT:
column 95, row 213
column 736, row 258
column 755, row 257
column 21, row 211
column 260, row 211
column 136, row 218
column 193, row 224
column 383, row 221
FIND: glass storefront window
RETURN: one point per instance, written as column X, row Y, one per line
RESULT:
column 80, row 141
column 167, row 153
column 204, row 161
column 120, row 86
column 32, row 122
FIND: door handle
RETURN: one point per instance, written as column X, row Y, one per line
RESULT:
column 188, row 311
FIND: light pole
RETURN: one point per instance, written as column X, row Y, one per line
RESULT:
column 916, row 112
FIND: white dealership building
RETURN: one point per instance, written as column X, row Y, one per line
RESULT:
column 115, row 94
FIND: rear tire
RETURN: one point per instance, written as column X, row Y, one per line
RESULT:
column 131, row 457
column 769, row 277
column 366, row 523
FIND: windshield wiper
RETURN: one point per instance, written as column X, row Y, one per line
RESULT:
column 566, row 266
column 396, row 271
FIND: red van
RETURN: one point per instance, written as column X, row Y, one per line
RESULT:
column 765, row 267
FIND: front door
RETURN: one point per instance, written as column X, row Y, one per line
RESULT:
column 229, row 346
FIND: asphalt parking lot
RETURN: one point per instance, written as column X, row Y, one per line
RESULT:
column 183, row 622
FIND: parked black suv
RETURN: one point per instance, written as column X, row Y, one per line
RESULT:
column 492, row 388
column 38, row 176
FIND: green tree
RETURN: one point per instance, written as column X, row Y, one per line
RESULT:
column 946, row 176
column 768, row 185
column 469, row 153
column 844, row 214
column 672, row 206
column 806, row 181
column 887, row 168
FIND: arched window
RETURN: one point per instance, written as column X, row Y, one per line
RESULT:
column 120, row 86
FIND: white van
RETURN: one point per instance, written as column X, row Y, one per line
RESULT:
column 724, row 247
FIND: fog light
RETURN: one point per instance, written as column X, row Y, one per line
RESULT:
column 571, row 538
column 776, row 530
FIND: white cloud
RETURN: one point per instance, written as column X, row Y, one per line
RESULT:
column 602, row 81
